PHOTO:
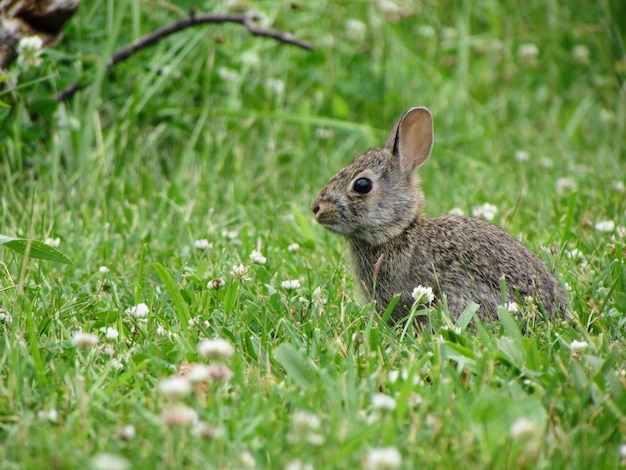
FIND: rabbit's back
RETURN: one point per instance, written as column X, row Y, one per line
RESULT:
column 461, row 258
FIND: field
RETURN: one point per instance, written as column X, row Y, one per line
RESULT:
column 207, row 321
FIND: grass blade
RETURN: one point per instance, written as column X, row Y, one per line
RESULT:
column 38, row 250
column 466, row 317
column 33, row 342
column 180, row 307
column 295, row 365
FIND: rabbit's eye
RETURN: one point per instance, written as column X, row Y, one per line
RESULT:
column 363, row 185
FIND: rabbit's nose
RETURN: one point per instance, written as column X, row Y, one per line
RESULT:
column 315, row 206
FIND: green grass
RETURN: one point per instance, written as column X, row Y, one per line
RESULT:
column 213, row 131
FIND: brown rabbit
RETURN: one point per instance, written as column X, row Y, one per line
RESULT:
column 377, row 204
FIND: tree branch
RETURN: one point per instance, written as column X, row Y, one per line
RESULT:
column 193, row 19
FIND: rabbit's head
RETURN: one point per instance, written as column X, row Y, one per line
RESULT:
column 377, row 196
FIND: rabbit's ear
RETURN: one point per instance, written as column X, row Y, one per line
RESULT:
column 411, row 139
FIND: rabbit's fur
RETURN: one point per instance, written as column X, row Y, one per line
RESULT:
column 394, row 247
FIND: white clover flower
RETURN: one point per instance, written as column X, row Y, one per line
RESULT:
column 216, row 283
column 162, row 331
column 196, row 322
column 432, row 420
column 383, row 458
column 138, row 311
column 127, row 433
column 275, row 86
column 486, row 211
column 382, row 401
column 116, row 364
column 426, row 31
column 231, row 235
column 619, row 186
column 606, row 115
column 5, row 317
column 240, row 272
column 456, row 211
column 219, row 372
column 511, row 307
column 528, row 52
column 388, row 6
column 565, row 184
column 605, row 226
column 29, row 51
column 522, row 156
column 106, row 461
column 215, row 348
column 203, row 429
column 315, row 438
column 581, row 54
column 622, row 451
column 356, row 30
column 306, row 421
column 247, row 459
column 53, row 242
column 198, row 373
column 51, row 415
column 448, row 34
column 84, row 341
column 257, row 257
column 456, row 329
column 578, row 345
column 103, row 269
column 524, row 428
column 175, row 387
column 227, row 75
column 250, row 58
column 111, row 334
column 30, row 42
column 292, row 284
column 575, row 254
column 293, row 247
column 202, row 244
column 298, row 465
column 179, row 415
column 423, row 295
column 142, row 310
column 167, row 70
column 415, row 400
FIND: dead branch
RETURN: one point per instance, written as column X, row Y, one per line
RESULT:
column 193, row 19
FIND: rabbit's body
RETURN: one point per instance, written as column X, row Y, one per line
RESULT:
column 461, row 257
column 377, row 204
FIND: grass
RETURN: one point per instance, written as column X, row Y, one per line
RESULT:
column 216, row 135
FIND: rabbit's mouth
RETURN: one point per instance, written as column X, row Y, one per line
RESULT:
column 330, row 222
column 335, row 228
column 330, row 218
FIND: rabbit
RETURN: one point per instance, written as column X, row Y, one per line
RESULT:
column 377, row 204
